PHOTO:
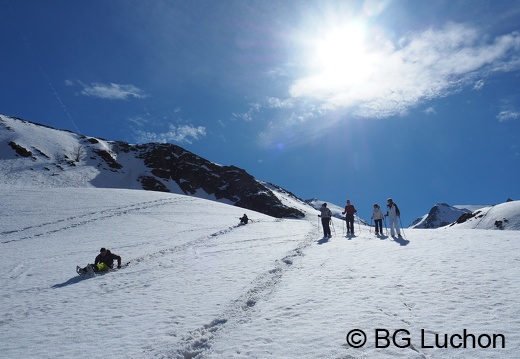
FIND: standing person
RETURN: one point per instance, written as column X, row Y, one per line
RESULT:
column 349, row 216
column 377, row 216
column 392, row 211
column 325, row 216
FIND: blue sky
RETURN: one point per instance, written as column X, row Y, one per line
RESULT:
column 365, row 100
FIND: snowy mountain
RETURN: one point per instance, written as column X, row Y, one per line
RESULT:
column 36, row 155
column 501, row 216
column 210, row 289
column 39, row 155
column 440, row 215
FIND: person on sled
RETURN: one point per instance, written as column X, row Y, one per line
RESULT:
column 244, row 219
column 103, row 262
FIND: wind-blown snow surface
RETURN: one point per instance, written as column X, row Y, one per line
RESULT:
column 199, row 286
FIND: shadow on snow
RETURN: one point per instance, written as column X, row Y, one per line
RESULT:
column 402, row 241
column 72, row 280
column 323, row 240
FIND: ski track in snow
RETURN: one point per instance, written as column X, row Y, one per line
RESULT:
column 196, row 340
column 76, row 221
column 199, row 340
column 198, row 287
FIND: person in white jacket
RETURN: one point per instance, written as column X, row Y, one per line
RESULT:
column 377, row 216
column 392, row 211
column 325, row 216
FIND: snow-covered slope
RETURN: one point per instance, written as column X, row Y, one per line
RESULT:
column 199, row 286
column 37, row 155
column 501, row 216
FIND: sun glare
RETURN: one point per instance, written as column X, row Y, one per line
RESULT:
column 340, row 56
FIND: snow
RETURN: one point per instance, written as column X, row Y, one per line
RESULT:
column 440, row 215
column 200, row 286
column 508, row 213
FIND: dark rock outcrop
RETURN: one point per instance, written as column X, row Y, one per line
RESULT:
column 192, row 172
column 153, row 166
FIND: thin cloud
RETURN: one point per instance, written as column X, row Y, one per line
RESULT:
column 508, row 115
column 248, row 116
column 257, row 109
column 420, row 67
column 478, row 85
column 430, row 111
column 148, row 127
column 178, row 134
column 112, row 91
column 274, row 102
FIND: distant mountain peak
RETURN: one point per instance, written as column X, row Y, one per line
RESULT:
column 502, row 216
column 440, row 215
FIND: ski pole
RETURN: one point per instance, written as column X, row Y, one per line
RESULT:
column 334, row 229
column 386, row 228
column 370, row 228
column 358, row 225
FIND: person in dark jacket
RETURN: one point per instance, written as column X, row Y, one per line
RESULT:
column 244, row 219
column 349, row 216
column 104, row 262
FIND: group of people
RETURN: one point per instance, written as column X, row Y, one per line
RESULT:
column 105, row 259
column 392, row 212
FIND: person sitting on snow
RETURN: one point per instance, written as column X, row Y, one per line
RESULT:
column 244, row 219
column 104, row 261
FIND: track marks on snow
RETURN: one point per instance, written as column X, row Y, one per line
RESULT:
column 44, row 229
column 180, row 247
column 239, row 310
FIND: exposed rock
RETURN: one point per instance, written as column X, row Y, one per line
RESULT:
column 154, row 166
column 20, row 150
column 440, row 215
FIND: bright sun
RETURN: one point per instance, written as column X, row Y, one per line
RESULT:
column 340, row 56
